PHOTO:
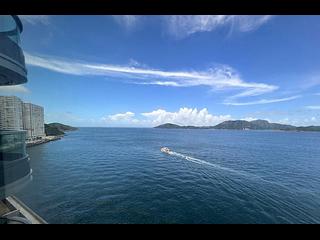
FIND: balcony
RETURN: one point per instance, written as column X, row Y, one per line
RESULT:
column 12, row 62
column 15, row 169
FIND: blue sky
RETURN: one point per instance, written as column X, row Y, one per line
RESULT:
column 141, row 71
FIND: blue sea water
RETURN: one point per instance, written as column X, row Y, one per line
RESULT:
column 119, row 175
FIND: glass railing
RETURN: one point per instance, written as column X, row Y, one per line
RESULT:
column 12, row 145
column 9, row 28
column 10, row 49
column 14, row 161
column 12, row 61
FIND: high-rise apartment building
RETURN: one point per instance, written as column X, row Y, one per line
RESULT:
column 11, row 113
column 33, row 120
column 17, row 115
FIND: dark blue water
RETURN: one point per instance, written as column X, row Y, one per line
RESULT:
column 118, row 175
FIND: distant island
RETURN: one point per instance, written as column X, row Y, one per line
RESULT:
column 57, row 129
column 245, row 125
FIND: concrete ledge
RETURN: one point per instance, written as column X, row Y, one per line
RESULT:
column 21, row 209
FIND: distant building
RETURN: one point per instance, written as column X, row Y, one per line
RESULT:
column 11, row 113
column 17, row 115
column 33, row 120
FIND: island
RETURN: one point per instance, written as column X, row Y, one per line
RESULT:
column 244, row 125
column 57, row 129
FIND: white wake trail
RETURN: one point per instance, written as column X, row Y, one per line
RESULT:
column 199, row 161
column 216, row 166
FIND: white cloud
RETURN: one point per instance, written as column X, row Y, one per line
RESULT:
column 14, row 89
column 128, row 21
column 161, row 83
column 262, row 101
column 313, row 107
column 284, row 121
column 183, row 26
column 185, row 116
column 300, row 121
column 120, row 117
column 35, row 19
column 249, row 119
column 220, row 77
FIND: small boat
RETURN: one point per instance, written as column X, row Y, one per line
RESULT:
column 165, row 150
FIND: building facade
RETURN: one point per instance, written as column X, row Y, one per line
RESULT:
column 11, row 117
column 33, row 121
column 17, row 115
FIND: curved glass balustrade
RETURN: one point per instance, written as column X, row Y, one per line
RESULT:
column 12, row 62
column 14, row 161
column 10, row 28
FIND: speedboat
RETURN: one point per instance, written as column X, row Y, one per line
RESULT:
column 165, row 150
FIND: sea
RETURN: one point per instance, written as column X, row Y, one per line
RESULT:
column 119, row 175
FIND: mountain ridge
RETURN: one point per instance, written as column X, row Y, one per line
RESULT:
column 244, row 125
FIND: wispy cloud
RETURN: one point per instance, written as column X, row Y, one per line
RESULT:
column 183, row 26
column 217, row 78
column 65, row 117
column 310, row 80
column 35, row 19
column 262, row 101
column 315, row 107
column 14, row 89
column 127, row 21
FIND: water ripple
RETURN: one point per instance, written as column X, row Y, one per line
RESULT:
column 106, row 175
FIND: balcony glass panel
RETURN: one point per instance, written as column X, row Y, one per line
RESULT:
column 9, row 28
column 12, row 145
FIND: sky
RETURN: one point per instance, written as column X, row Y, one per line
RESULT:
column 142, row 71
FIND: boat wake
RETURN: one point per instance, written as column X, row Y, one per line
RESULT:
column 218, row 167
column 202, row 162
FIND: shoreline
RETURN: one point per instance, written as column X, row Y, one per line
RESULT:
column 42, row 141
column 245, row 130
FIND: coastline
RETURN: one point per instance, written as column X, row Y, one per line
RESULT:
column 245, row 130
column 42, row 141
column 53, row 131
